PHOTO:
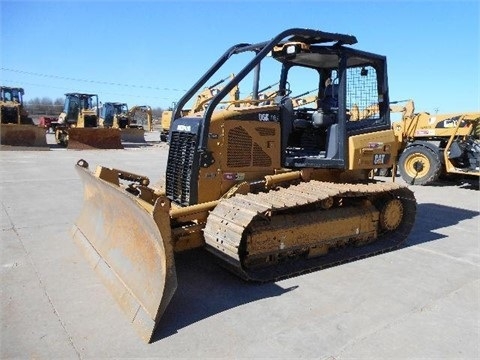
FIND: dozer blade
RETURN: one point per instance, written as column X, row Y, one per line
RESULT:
column 94, row 138
column 23, row 135
column 129, row 247
column 133, row 135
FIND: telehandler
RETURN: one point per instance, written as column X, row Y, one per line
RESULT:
column 436, row 145
column 117, row 115
column 16, row 126
column 432, row 146
column 77, row 126
column 270, row 190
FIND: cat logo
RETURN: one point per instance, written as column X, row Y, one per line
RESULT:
column 380, row 159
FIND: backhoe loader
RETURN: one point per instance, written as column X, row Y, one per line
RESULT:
column 16, row 127
column 271, row 191
column 77, row 126
column 116, row 115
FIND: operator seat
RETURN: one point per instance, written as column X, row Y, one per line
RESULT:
column 330, row 98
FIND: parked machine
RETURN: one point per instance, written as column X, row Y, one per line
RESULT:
column 435, row 145
column 202, row 99
column 432, row 146
column 17, row 127
column 270, row 190
column 116, row 115
column 78, row 128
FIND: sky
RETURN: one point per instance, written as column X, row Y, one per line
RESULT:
column 151, row 52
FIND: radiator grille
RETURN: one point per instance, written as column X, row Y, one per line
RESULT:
column 242, row 151
column 90, row 121
column 260, row 157
column 9, row 115
column 180, row 165
column 239, row 151
column 265, row 131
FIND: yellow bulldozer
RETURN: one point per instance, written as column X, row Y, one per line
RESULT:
column 16, row 126
column 271, row 191
column 78, row 125
column 131, row 122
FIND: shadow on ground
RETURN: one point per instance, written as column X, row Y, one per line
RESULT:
column 431, row 217
column 206, row 289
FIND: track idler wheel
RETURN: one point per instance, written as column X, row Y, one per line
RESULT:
column 391, row 215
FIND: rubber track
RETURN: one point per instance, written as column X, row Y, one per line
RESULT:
column 226, row 225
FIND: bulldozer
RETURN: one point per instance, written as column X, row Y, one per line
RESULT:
column 77, row 126
column 271, row 191
column 117, row 115
column 17, row 127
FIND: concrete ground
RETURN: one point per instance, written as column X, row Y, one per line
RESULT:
column 421, row 301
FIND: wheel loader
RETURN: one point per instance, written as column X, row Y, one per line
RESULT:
column 78, row 128
column 17, row 128
column 271, row 191
column 116, row 115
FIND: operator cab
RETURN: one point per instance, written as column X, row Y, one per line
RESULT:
column 349, row 83
column 80, row 106
column 268, row 131
column 110, row 110
column 11, row 94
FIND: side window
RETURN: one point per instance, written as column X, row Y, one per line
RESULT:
column 303, row 84
column 362, row 93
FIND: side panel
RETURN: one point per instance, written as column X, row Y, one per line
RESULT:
column 372, row 150
column 243, row 150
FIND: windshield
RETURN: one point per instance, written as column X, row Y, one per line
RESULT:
column 121, row 109
column 12, row 94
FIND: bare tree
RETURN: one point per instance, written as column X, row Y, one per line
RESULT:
column 44, row 106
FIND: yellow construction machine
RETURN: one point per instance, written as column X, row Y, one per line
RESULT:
column 131, row 122
column 271, row 191
column 202, row 100
column 304, row 99
column 436, row 145
column 432, row 146
column 17, row 128
column 78, row 125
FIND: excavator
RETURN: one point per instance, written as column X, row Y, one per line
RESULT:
column 78, row 128
column 17, row 128
column 271, row 191
column 116, row 115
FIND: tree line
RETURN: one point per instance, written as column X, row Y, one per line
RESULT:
column 49, row 107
